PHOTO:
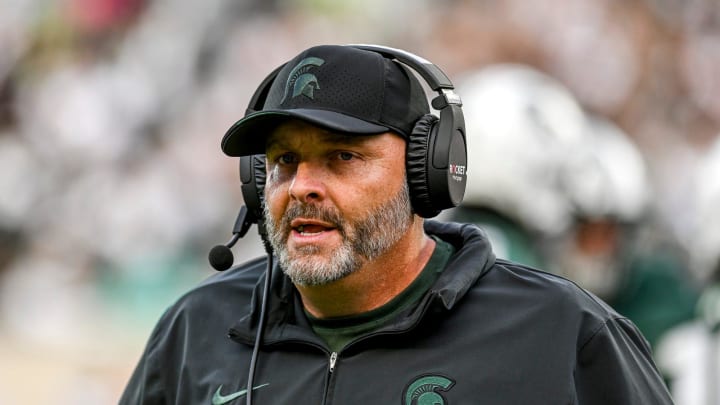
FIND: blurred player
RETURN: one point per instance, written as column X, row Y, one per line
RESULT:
column 606, row 251
column 690, row 353
column 522, row 126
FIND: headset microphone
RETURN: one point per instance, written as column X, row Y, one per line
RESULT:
column 220, row 256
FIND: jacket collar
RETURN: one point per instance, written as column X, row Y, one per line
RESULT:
column 285, row 317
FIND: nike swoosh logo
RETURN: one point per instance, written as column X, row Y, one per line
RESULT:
column 219, row 399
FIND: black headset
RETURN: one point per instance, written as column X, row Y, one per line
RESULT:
column 436, row 158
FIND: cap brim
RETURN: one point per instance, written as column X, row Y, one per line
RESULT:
column 248, row 136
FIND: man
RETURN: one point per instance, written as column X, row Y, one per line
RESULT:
column 370, row 303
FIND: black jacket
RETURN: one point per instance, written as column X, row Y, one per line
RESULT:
column 488, row 332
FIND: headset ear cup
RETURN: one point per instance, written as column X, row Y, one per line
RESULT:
column 260, row 175
column 252, row 177
column 260, row 178
column 416, row 166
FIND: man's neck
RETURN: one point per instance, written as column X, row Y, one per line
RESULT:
column 375, row 283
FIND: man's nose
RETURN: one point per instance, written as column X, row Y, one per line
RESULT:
column 308, row 183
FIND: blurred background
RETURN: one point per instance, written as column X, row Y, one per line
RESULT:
column 113, row 187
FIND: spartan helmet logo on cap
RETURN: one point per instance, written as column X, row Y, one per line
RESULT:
column 300, row 81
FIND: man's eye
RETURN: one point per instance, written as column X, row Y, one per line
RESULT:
column 286, row 158
column 345, row 156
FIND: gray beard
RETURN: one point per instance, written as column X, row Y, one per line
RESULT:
column 362, row 240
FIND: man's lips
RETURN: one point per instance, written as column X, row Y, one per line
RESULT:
column 305, row 226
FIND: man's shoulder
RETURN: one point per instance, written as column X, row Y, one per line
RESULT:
column 205, row 313
column 228, row 291
column 548, row 289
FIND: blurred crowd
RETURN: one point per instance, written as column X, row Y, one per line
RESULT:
column 594, row 152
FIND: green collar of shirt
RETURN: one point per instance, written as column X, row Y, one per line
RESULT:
column 338, row 332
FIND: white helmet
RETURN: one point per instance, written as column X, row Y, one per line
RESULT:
column 523, row 129
column 611, row 180
column 704, row 243
column 609, row 188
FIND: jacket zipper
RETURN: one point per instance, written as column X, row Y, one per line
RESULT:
column 333, row 360
column 328, row 380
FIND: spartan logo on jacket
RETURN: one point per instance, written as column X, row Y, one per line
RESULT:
column 424, row 390
column 300, row 81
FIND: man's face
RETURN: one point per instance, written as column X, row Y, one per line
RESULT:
column 333, row 202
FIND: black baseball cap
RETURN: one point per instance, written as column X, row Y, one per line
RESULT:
column 337, row 87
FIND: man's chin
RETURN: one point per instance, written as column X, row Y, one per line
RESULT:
column 312, row 277
column 319, row 268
